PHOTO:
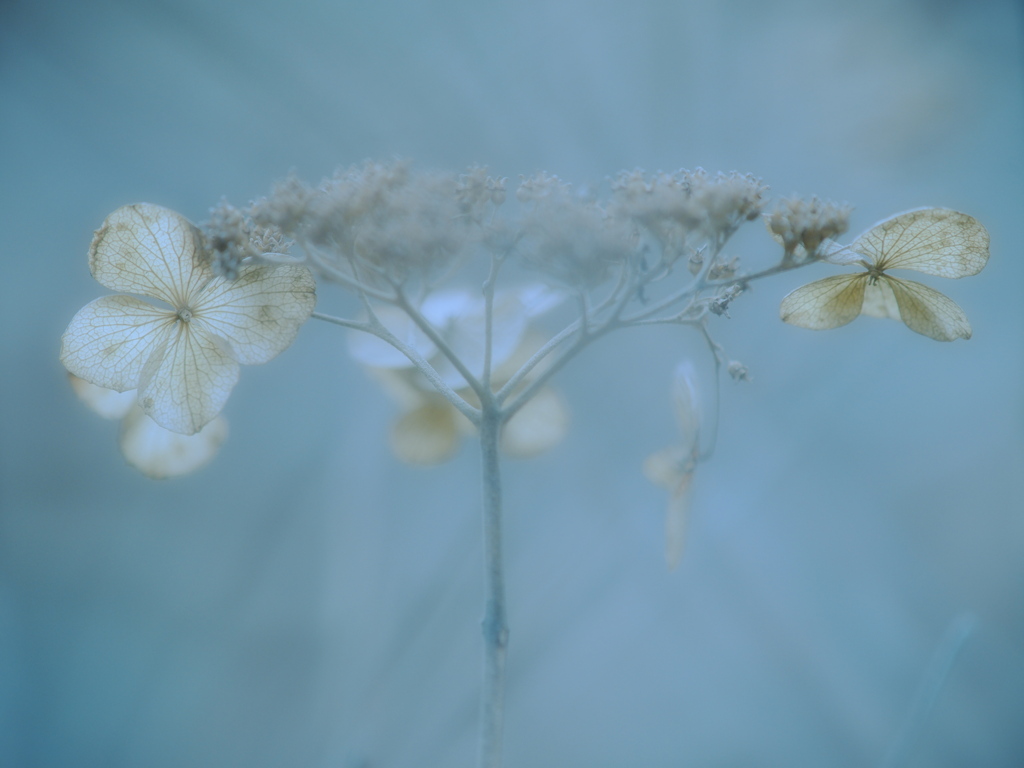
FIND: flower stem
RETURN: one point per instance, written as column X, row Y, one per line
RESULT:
column 495, row 627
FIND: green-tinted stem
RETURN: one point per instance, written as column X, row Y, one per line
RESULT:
column 495, row 624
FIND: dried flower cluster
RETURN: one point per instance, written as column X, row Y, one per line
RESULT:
column 478, row 361
column 239, row 289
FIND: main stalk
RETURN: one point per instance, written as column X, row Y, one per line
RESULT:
column 495, row 627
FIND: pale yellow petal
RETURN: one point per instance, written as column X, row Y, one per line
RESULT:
column 879, row 301
column 426, row 435
column 403, row 385
column 108, row 403
column 936, row 241
column 185, row 384
column 827, row 303
column 929, row 312
column 260, row 312
column 536, row 427
column 667, row 467
column 160, row 453
column 110, row 339
column 151, row 251
column 677, row 518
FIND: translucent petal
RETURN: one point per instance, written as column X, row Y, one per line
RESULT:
column 260, row 312
column 185, row 384
column 843, row 255
column 668, row 466
column 536, row 427
column 110, row 339
column 403, row 385
column 677, row 518
column 929, row 312
column 426, row 435
column 377, row 353
column 531, row 343
column 686, row 403
column 879, row 301
column 827, row 303
column 538, row 299
column 465, row 335
column 151, row 251
column 160, row 453
column 108, row 403
column 441, row 307
column 936, row 241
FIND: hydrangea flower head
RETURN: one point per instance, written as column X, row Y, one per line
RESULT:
column 183, row 358
column 935, row 241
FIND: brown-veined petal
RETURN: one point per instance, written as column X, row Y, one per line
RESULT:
column 260, row 312
column 929, row 312
column 536, row 427
column 426, row 435
column 160, row 453
column 935, row 241
column 108, row 403
column 185, row 383
column 826, row 303
column 151, row 251
column 109, row 340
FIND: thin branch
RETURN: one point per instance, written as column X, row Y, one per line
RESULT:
column 716, row 353
column 376, row 328
column 488, row 291
column 442, row 346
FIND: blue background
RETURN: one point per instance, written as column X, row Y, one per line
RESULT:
column 308, row 601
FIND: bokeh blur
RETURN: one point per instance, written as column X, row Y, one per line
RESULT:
column 852, row 592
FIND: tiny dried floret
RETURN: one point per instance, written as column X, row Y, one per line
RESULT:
column 233, row 239
column 802, row 226
column 475, row 190
column 542, row 186
column 184, row 358
column 738, row 371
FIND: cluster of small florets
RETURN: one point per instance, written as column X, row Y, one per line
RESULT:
column 372, row 222
column 571, row 238
column 476, row 192
column 803, row 225
column 693, row 197
column 232, row 238
column 675, row 207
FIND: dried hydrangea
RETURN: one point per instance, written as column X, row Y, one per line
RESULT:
column 183, row 358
